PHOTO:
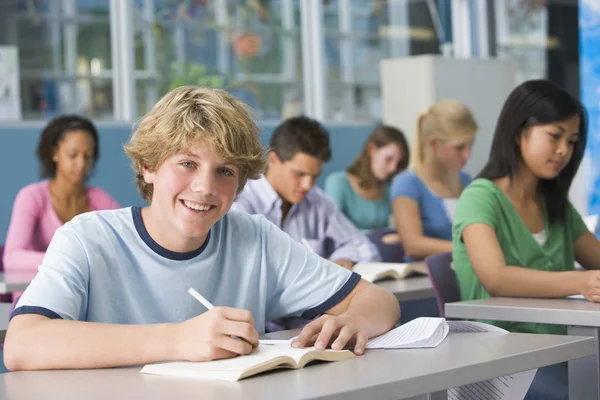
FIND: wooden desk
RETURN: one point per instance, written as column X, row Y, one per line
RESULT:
column 582, row 318
column 379, row 374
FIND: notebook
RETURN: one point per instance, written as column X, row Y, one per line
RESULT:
column 374, row 271
column 273, row 354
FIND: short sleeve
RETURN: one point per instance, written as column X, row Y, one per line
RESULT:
column 477, row 204
column 335, row 188
column 60, row 288
column 407, row 184
column 302, row 283
column 575, row 223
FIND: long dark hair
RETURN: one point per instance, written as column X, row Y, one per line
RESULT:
column 381, row 136
column 531, row 103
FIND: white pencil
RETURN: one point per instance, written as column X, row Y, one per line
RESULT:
column 209, row 306
column 200, row 298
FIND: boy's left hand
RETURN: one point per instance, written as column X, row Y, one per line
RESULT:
column 339, row 330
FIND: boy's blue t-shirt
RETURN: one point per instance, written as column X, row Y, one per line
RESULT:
column 436, row 222
column 104, row 267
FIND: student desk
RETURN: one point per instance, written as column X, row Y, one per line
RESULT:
column 379, row 374
column 412, row 288
column 581, row 317
column 15, row 281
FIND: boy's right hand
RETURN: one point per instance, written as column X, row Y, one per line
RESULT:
column 590, row 286
column 216, row 334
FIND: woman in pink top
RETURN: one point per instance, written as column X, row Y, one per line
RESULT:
column 68, row 151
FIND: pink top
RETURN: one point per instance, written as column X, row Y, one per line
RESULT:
column 34, row 221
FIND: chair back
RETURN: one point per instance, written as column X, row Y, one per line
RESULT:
column 388, row 252
column 443, row 279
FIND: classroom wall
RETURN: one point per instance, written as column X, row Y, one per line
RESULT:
column 19, row 166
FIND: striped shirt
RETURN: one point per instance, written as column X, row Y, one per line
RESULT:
column 316, row 219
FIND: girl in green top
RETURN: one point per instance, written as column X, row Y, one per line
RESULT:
column 515, row 234
column 362, row 191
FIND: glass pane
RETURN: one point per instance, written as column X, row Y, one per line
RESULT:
column 40, row 98
column 92, row 6
column 46, row 98
column 358, row 37
column 40, row 44
column 542, row 38
column 93, row 47
column 95, row 98
column 64, row 55
column 521, row 34
column 250, row 48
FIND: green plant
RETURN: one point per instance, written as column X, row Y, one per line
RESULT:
column 190, row 73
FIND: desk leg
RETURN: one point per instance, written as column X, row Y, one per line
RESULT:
column 584, row 373
column 441, row 395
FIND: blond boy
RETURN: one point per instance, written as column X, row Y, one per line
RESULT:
column 112, row 289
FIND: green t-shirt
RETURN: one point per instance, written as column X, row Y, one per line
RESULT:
column 484, row 202
column 364, row 214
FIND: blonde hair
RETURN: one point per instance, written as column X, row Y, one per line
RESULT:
column 190, row 115
column 448, row 120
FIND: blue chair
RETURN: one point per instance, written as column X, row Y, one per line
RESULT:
column 388, row 252
column 443, row 279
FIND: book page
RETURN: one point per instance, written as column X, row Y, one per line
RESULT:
column 370, row 271
column 471, row 326
column 284, row 348
column 262, row 354
column 438, row 336
column 419, row 330
column 507, row 387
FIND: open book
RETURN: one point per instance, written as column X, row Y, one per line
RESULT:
column 273, row 354
column 374, row 271
column 270, row 354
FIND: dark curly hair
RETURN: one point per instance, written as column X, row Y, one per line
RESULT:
column 54, row 132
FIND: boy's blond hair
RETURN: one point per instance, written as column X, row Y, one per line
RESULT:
column 190, row 115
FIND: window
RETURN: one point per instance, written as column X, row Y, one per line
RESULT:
column 64, row 55
column 250, row 48
column 358, row 35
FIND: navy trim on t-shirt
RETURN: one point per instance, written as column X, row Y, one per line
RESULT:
column 333, row 300
column 35, row 310
column 136, row 213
